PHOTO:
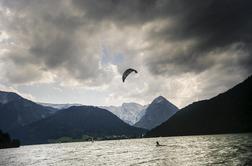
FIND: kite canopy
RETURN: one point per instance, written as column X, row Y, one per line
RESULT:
column 127, row 72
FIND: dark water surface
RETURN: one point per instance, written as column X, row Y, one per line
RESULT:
column 229, row 149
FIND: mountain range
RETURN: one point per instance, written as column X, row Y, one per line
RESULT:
column 75, row 122
column 229, row 112
column 34, row 123
column 128, row 112
column 156, row 113
column 134, row 114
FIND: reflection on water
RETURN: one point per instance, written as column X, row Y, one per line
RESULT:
column 230, row 149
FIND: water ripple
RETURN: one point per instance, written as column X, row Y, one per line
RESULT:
column 229, row 149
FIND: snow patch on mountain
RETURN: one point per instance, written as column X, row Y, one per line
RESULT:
column 128, row 112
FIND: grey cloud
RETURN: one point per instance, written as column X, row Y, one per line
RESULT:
column 211, row 24
column 23, row 74
column 51, row 33
column 54, row 52
column 118, row 11
column 209, row 37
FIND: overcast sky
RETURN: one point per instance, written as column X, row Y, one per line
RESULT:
column 75, row 51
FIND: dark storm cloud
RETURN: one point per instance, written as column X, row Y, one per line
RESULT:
column 216, row 23
column 213, row 25
column 195, row 31
column 118, row 11
column 54, row 52
column 170, row 41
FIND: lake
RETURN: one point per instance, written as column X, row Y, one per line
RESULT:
column 227, row 149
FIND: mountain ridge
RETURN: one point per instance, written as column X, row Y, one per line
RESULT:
column 228, row 112
column 157, row 112
column 75, row 122
column 16, row 111
column 129, row 112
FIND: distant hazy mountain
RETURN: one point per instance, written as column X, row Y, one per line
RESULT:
column 75, row 122
column 128, row 112
column 157, row 112
column 16, row 111
column 228, row 112
column 59, row 106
